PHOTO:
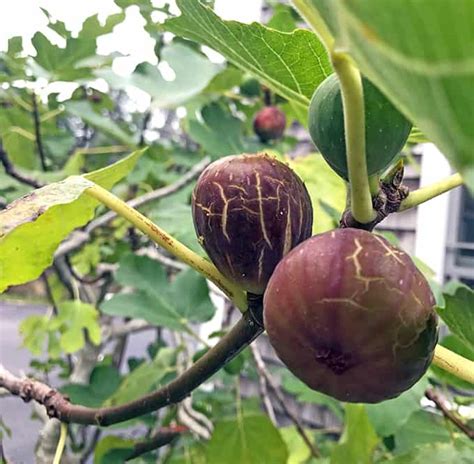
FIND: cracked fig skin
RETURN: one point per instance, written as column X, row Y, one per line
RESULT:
column 351, row 316
column 249, row 211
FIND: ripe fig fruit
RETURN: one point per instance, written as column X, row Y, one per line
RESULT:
column 386, row 129
column 269, row 123
column 249, row 211
column 351, row 316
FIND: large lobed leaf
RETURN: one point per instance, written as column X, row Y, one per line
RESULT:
column 291, row 64
column 103, row 382
column 420, row 54
column 144, row 378
column 436, row 453
column 422, row 427
column 173, row 305
column 304, row 394
column 358, row 441
column 193, row 72
column 389, row 416
column 32, row 227
column 250, row 439
column 85, row 111
column 458, row 312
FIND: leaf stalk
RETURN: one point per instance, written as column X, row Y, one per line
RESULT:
column 454, row 363
column 419, row 196
column 169, row 243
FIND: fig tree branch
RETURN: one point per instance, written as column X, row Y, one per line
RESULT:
column 161, row 438
column 449, row 415
column 423, row 194
column 14, row 173
column 354, row 128
column 80, row 238
column 263, row 383
column 169, row 243
column 38, row 137
column 454, row 363
column 58, row 406
column 311, row 15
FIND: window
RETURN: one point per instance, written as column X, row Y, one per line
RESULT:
column 460, row 247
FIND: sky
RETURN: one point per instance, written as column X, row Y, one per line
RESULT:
column 24, row 17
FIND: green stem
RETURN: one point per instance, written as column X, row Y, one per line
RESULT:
column 62, row 441
column 170, row 244
column 354, row 127
column 423, row 194
column 311, row 15
column 374, row 185
column 354, row 116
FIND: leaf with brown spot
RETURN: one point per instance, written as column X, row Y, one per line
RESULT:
column 32, row 227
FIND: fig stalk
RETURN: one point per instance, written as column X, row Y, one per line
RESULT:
column 354, row 129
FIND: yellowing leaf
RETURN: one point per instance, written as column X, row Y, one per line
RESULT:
column 32, row 227
column 326, row 189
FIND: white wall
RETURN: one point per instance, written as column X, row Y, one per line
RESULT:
column 432, row 216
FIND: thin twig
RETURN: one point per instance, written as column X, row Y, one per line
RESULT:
column 263, row 383
column 13, row 172
column 195, row 421
column 449, row 415
column 50, row 296
column 81, row 279
column 79, row 238
column 38, row 137
column 155, row 253
column 91, row 447
column 119, row 351
column 281, row 399
column 241, row 335
column 145, row 122
column 3, row 458
column 134, row 325
column 163, row 437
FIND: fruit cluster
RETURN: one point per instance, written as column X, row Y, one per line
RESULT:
column 347, row 312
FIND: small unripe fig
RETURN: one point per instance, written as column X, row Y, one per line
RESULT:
column 351, row 316
column 269, row 123
column 249, row 211
column 386, row 129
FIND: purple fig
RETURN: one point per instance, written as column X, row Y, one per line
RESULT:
column 269, row 123
column 249, row 211
column 351, row 316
